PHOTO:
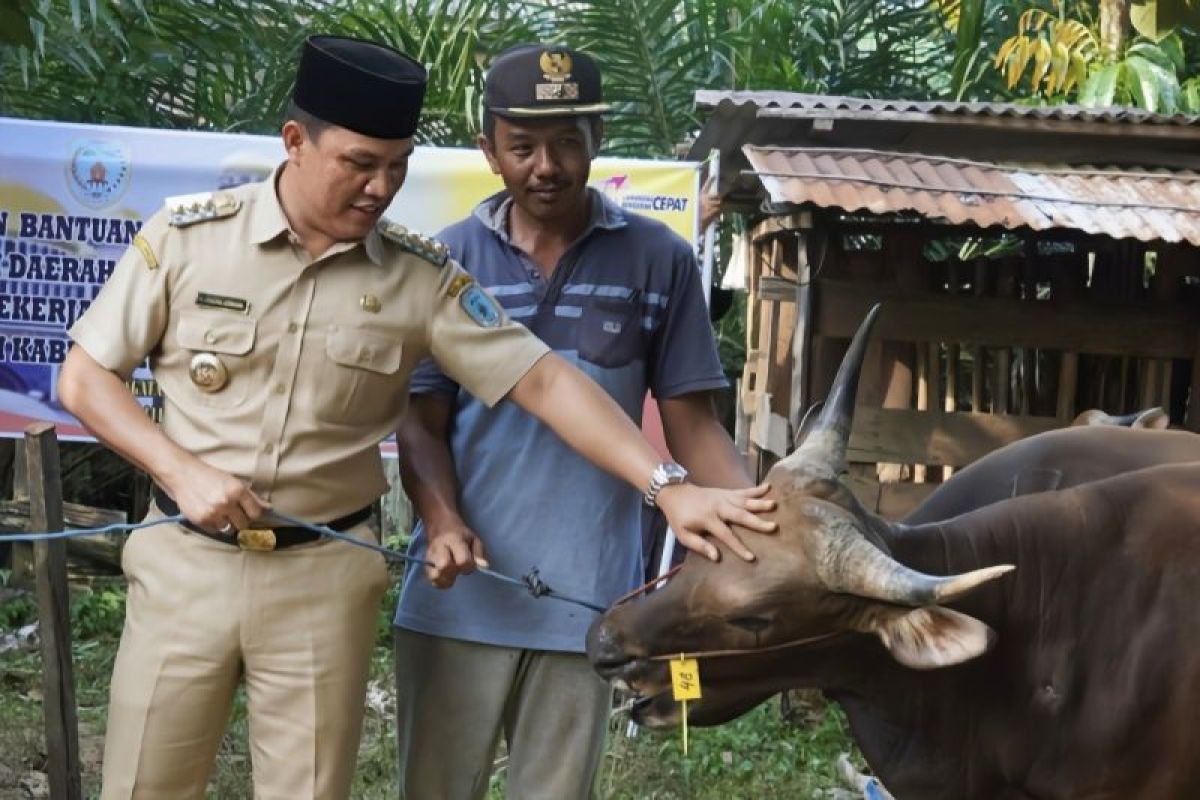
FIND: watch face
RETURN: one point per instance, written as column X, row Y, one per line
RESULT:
column 674, row 473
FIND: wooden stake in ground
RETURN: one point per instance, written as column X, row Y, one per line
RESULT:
column 50, row 569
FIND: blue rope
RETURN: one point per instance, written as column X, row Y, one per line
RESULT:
column 531, row 582
column 70, row 533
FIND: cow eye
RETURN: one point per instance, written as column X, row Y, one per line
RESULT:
column 750, row 624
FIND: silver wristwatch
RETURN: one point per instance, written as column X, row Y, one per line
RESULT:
column 665, row 474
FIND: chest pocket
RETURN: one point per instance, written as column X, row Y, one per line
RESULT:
column 610, row 331
column 365, row 384
column 228, row 337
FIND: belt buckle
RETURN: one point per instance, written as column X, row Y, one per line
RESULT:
column 258, row 539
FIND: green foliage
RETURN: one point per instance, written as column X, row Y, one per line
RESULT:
column 1147, row 76
column 98, row 613
column 1069, row 57
column 1156, row 19
column 757, row 755
column 16, row 611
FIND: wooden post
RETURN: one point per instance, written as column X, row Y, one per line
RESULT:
column 951, row 393
column 923, row 394
column 50, row 568
column 396, row 510
column 1150, row 383
column 1068, row 381
column 22, row 553
column 798, row 400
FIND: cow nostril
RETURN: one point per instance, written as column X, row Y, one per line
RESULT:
column 604, row 648
column 751, row 624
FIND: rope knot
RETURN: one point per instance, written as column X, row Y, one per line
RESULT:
column 533, row 581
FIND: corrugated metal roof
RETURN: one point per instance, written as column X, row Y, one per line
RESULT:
column 1123, row 204
column 794, row 104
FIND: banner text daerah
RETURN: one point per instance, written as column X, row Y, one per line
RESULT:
column 61, row 269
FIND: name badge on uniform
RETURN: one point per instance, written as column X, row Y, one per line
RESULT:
column 480, row 307
column 207, row 300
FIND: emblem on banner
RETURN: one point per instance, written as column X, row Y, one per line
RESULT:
column 98, row 172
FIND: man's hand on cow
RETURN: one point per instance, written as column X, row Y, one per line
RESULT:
column 214, row 499
column 453, row 550
column 695, row 512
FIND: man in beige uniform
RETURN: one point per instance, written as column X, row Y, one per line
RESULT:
column 282, row 320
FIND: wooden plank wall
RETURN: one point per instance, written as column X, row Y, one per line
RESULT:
column 966, row 356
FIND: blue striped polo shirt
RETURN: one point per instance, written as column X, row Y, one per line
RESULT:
column 625, row 304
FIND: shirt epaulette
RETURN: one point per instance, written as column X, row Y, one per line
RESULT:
column 188, row 209
column 431, row 250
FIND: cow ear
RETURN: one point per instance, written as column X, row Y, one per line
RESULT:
column 930, row 637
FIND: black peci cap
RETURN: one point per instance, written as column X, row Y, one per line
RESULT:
column 539, row 80
column 366, row 87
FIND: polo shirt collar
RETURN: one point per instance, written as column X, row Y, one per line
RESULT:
column 604, row 214
column 269, row 221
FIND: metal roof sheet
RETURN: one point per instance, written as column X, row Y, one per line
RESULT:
column 1148, row 205
column 794, row 104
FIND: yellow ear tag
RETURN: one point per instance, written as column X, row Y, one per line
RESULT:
column 685, row 685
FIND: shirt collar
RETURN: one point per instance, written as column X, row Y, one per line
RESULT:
column 269, row 221
column 604, row 213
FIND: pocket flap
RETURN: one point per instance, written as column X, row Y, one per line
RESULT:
column 216, row 332
column 354, row 347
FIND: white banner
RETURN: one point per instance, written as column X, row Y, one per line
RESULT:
column 73, row 196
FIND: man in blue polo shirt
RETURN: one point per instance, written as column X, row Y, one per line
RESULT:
column 619, row 295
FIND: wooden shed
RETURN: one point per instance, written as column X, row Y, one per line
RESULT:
column 1033, row 263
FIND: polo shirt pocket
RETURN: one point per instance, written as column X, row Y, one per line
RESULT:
column 610, row 331
column 365, row 383
column 218, row 345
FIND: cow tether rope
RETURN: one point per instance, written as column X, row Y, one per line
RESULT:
column 531, row 581
column 747, row 651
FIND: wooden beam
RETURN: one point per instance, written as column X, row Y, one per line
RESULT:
column 1000, row 322
column 893, row 501
column 14, row 515
column 54, row 616
column 915, row 437
column 782, row 223
column 777, row 289
column 1014, row 124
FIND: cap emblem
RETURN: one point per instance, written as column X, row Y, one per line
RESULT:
column 556, row 65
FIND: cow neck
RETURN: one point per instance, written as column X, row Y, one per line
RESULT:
column 915, row 742
column 1033, row 532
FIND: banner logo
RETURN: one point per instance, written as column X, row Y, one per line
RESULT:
column 98, row 173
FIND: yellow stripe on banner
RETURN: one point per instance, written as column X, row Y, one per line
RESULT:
column 144, row 248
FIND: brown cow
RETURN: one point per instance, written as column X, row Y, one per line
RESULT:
column 1076, row 676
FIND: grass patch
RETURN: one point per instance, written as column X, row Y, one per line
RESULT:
column 759, row 755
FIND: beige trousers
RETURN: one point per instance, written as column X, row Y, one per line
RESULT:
column 297, row 625
column 455, row 698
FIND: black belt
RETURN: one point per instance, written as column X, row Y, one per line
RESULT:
column 273, row 538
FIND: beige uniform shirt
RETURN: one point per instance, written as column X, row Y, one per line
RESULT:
column 316, row 353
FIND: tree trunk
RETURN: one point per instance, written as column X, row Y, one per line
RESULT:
column 1114, row 27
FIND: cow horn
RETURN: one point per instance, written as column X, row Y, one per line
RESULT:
column 852, row 565
column 826, row 440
